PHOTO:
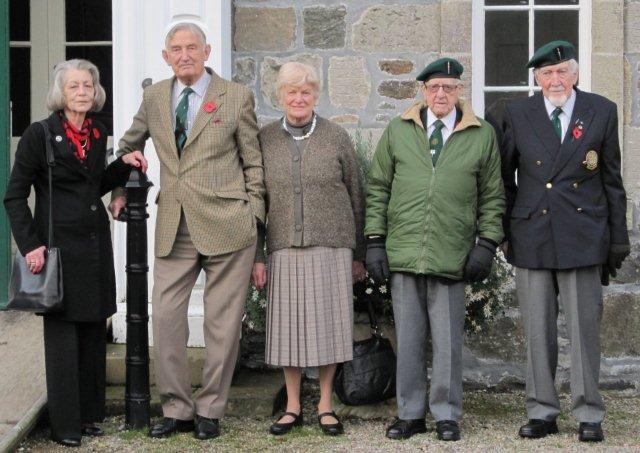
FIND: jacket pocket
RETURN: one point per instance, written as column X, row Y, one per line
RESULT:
column 520, row 212
column 233, row 194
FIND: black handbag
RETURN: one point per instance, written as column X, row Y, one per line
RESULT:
column 371, row 376
column 41, row 292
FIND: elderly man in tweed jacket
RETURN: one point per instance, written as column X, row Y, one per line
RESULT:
column 211, row 197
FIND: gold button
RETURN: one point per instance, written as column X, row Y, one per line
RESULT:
column 549, row 185
column 544, row 211
column 579, row 209
column 538, row 163
column 575, row 185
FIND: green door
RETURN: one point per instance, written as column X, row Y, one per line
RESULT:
column 5, row 238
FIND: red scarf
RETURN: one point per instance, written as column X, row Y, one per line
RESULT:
column 79, row 137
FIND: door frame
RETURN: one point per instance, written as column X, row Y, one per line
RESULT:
column 5, row 132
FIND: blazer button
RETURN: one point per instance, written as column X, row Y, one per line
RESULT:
column 579, row 209
column 93, row 207
column 544, row 212
column 298, row 227
column 296, row 158
column 297, row 190
column 549, row 185
column 538, row 163
column 575, row 185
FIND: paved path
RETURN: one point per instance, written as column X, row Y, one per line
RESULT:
column 22, row 376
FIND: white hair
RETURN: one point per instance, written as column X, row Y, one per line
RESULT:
column 55, row 97
column 573, row 66
column 190, row 26
column 294, row 73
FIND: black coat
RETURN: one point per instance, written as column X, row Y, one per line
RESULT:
column 561, row 214
column 80, row 222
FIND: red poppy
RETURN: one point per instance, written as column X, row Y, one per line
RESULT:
column 210, row 107
column 577, row 132
column 96, row 133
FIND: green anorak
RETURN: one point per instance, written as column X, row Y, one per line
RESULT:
column 430, row 215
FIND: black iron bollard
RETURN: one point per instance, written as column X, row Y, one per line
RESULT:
column 137, row 396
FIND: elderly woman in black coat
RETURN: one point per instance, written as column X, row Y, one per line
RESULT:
column 74, row 339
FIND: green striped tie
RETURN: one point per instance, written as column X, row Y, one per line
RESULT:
column 556, row 122
column 181, row 119
column 435, row 141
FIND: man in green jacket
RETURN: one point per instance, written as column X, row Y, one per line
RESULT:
column 433, row 221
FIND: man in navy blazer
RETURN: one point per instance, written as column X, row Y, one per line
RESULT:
column 566, row 231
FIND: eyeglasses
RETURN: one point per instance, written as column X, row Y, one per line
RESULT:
column 435, row 88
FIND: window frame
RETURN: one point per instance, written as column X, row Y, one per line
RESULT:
column 478, row 87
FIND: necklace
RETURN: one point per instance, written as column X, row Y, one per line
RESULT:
column 302, row 137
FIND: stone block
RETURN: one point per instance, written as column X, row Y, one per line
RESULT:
column 258, row 29
column 269, row 74
column 349, row 82
column 631, row 160
column 628, row 93
column 244, row 71
column 502, row 339
column 607, row 77
column 346, row 119
column 398, row 89
column 607, row 26
column 455, row 26
column 621, row 322
column 324, row 27
column 632, row 27
column 396, row 67
column 398, row 28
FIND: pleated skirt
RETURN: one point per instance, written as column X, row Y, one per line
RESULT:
column 309, row 307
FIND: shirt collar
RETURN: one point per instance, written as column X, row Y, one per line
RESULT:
column 567, row 108
column 199, row 87
column 449, row 119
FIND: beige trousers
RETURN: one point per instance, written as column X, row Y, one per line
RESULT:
column 227, row 280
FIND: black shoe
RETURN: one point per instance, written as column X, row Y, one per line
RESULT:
column 207, row 428
column 277, row 428
column 333, row 429
column 448, row 430
column 536, row 428
column 590, row 432
column 90, row 429
column 69, row 442
column 404, row 429
column 170, row 426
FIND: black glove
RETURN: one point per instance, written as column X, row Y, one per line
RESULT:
column 617, row 254
column 479, row 261
column 376, row 260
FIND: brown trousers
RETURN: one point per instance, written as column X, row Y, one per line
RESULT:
column 227, row 280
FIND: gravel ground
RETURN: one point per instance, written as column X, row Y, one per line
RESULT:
column 490, row 423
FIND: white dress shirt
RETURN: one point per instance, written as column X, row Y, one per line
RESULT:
column 449, row 121
column 565, row 116
column 195, row 99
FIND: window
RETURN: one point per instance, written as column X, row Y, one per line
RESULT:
column 505, row 35
column 20, row 67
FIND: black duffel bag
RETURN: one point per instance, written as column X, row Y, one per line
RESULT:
column 371, row 376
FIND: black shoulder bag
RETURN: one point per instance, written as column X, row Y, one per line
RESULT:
column 371, row 376
column 41, row 292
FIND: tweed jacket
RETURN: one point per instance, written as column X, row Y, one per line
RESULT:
column 218, row 180
column 332, row 195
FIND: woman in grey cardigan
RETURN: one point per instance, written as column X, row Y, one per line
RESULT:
column 314, row 240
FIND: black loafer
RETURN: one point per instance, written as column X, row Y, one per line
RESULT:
column 207, row 428
column 278, row 429
column 90, row 429
column 590, row 432
column 536, row 428
column 170, row 426
column 448, row 430
column 404, row 429
column 67, row 442
column 330, row 429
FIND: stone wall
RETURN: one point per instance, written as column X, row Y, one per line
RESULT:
column 367, row 53
column 631, row 163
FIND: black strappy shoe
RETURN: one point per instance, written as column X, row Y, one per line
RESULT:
column 277, row 429
column 333, row 429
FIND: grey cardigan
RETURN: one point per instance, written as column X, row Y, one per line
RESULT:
column 331, row 191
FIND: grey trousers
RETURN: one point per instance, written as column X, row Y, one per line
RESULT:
column 420, row 303
column 580, row 294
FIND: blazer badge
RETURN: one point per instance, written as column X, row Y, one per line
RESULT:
column 591, row 160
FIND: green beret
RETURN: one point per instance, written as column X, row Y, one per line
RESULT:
column 444, row 67
column 551, row 53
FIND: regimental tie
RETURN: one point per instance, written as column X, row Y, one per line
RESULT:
column 555, row 120
column 435, row 141
column 181, row 119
